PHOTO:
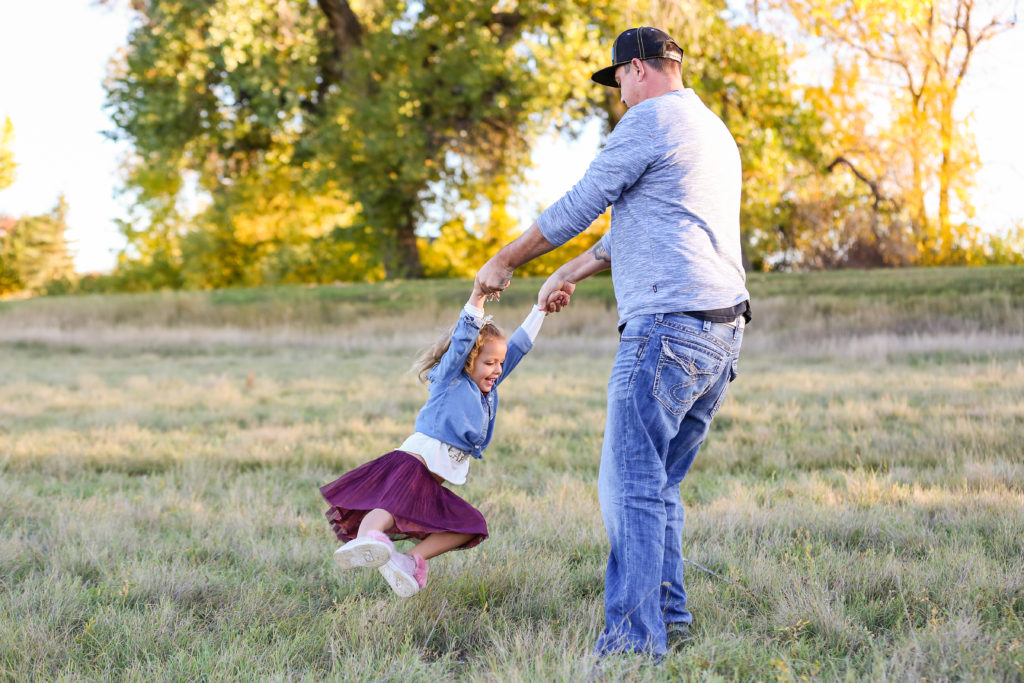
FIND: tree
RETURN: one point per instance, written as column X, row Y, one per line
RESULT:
column 214, row 98
column 919, row 52
column 367, row 111
column 34, row 251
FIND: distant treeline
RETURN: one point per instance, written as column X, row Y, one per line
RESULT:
column 917, row 298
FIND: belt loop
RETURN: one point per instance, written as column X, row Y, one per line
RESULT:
column 659, row 317
column 706, row 326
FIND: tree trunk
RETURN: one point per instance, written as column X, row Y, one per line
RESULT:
column 945, row 177
column 745, row 253
column 919, row 215
column 402, row 254
column 407, row 259
column 346, row 33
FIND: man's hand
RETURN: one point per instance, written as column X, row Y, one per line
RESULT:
column 557, row 301
column 558, row 289
column 556, row 292
column 496, row 274
column 494, row 277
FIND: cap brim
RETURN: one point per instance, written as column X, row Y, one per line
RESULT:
column 606, row 76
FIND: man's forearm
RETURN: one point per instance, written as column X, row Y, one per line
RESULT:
column 592, row 261
column 496, row 273
column 524, row 248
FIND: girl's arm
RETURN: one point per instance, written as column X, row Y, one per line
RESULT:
column 464, row 335
column 531, row 326
column 477, row 299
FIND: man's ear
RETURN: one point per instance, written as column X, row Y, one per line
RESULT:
column 641, row 68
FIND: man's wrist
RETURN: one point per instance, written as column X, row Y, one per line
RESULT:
column 566, row 275
column 503, row 262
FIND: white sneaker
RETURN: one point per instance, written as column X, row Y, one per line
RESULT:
column 406, row 575
column 372, row 550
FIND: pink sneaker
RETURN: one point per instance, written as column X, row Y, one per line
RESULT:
column 371, row 550
column 406, row 574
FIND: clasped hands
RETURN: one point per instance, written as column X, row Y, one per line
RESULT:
column 495, row 277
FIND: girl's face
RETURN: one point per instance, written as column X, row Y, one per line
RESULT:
column 487, row 367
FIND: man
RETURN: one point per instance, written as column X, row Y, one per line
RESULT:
column 671, row 172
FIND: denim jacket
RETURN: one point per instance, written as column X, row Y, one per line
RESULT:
column 457, row 412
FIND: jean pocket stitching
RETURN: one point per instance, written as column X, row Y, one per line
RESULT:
column 668, row 396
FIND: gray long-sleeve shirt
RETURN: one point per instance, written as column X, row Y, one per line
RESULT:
column 671, row 173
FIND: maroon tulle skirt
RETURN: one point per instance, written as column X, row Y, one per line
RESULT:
column 402, row 485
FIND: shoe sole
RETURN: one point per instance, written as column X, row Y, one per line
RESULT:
column 403, row 584
column 369, row 553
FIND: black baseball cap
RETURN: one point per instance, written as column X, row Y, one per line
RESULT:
column 643, row 42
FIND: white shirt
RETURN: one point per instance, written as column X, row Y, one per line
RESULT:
column 441, row 459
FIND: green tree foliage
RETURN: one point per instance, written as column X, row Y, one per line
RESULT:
column 266, row 131
column 449, row 105
column 215, row 98
column 34, row 252
column 33, row 249
column 347, row 129
column 1004, row 249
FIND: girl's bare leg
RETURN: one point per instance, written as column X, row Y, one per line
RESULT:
column 435, row 544
column 377, row 519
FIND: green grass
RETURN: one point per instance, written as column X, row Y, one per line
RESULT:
column 861, row 496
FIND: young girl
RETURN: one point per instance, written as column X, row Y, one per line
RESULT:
column 399, row 495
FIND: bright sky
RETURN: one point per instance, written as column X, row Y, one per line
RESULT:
column 53, row 58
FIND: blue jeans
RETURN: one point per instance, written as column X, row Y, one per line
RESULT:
column 669, row 379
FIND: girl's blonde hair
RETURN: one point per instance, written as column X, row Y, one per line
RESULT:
column 431, row 356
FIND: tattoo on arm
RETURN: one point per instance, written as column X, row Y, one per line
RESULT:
column 601, row 254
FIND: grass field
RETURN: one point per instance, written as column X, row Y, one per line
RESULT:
column 860, row 499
